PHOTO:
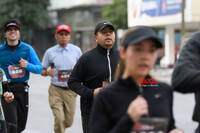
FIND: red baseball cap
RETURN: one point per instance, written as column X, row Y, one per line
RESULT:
column 63, row 27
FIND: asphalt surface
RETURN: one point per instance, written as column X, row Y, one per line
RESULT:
column 40, row 118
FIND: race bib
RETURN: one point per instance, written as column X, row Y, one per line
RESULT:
column 63, row 75
column 105, row 83
column 15, row 71
column 150, row 125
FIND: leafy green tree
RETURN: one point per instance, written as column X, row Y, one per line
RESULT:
column 32, row 14
column 116, row 13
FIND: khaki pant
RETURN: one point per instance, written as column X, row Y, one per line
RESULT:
column 62, row 103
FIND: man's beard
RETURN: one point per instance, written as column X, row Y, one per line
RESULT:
column 108, row 45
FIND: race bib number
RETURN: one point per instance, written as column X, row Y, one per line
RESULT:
column 15, row 71
column 63, row 75
column 150, row 125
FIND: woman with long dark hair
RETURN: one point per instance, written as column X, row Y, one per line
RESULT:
column 135, row 102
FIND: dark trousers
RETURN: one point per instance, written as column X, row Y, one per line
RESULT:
column 3, row 128
column 85, row 122
column 16, row 112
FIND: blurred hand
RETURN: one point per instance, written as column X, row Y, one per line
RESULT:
column 44, row 72
column 176, row 131
column 23, row 63
column 137, row 108
column 50, row 72
column 8, row 96
column 96, row 91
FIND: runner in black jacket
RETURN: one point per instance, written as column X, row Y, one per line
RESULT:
column 186, row 74
column 119, row 107
column 94, row 69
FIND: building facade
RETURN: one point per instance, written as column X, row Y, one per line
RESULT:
column 80, row 15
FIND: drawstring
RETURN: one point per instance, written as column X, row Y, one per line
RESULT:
column 108, row 53
column 141, row 91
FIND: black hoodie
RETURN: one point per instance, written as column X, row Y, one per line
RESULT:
column 186, row 74
column 109, row 112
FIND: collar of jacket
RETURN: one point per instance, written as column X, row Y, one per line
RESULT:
column 130, row 82
column 6, row 44
column 103, row 50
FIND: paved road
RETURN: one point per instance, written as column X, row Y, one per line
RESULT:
column 40, row 119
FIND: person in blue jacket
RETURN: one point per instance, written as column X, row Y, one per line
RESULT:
column 17, row 59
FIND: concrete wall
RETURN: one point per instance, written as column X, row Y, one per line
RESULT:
column 66, row 4
column 195, row 12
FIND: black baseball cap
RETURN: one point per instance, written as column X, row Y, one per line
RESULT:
column 10, row 23
column 103, row 24
column 137, row 34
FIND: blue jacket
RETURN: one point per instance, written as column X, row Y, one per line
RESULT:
column 23, row 50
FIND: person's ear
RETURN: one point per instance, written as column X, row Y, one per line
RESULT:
column 95, row 38
column 55, row 36
column 122, row 52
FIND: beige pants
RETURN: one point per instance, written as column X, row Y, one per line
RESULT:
column 62, row 103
